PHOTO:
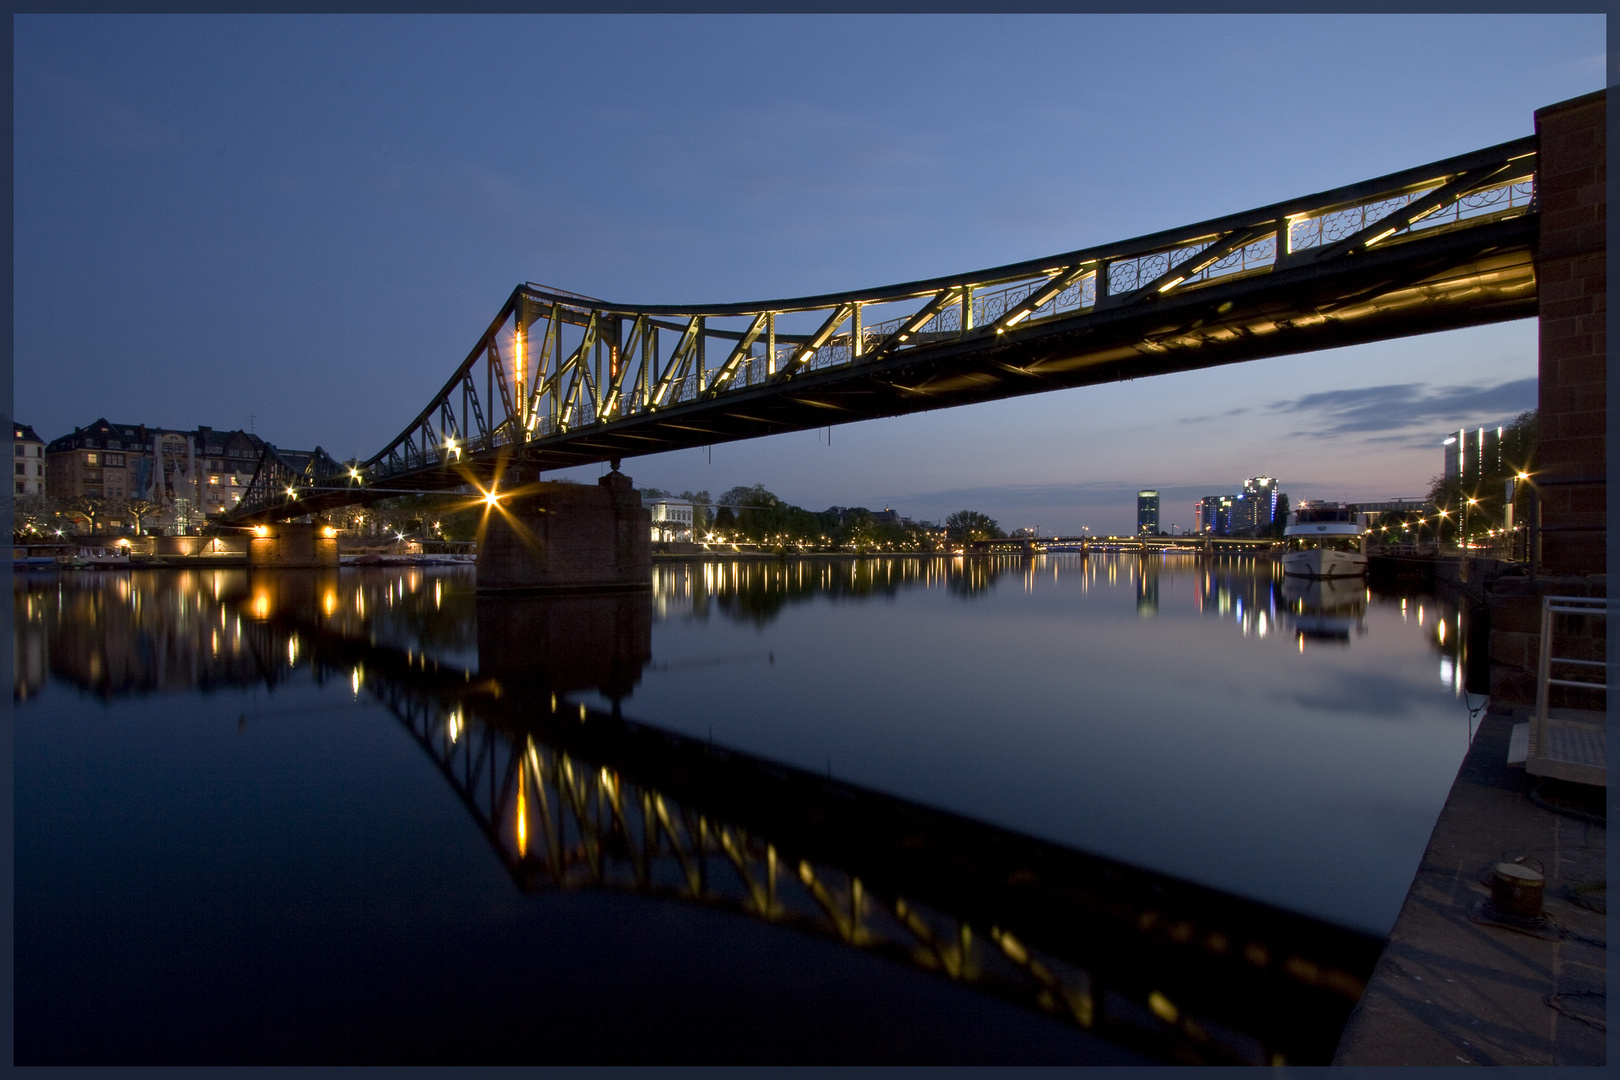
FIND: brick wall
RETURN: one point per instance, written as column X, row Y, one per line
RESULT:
column 1571, row 283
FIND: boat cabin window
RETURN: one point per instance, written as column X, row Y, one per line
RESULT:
column 1324, row 543
column 1320, row 514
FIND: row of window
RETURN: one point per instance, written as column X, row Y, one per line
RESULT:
column 93, row 458
column 22, row 468
column 22, row 450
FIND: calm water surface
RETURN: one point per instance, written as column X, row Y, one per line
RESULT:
column 231, row 845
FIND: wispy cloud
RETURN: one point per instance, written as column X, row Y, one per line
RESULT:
column 1221, row 416
column 1397, row 406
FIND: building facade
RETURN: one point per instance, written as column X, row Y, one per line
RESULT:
column 1256, row 506
column 1472, row 454
column 185, row 475
column 1215, row 515
column 1147, row 513
column 28, row 454
column 671, row 520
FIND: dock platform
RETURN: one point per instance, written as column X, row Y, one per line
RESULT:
column 1450, row 990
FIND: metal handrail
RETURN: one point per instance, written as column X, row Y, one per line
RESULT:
column 1561, row 605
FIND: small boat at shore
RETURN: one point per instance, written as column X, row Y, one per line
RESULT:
column 1324, row 540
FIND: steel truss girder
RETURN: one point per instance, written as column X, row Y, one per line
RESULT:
column 1006, row 313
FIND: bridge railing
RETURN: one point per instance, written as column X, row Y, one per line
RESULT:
column 553, row 365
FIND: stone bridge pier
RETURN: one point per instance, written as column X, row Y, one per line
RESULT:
column 548, row 537
column 1571, row 480
column 288, row 545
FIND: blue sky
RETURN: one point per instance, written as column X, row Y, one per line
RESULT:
column 310, row 219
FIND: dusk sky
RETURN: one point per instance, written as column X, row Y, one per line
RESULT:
column 303, row 223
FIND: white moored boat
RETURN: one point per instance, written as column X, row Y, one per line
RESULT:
column 1324, row 540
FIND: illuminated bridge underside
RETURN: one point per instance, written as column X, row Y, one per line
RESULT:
column 560, row 380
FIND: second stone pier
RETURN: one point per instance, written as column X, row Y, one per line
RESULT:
column 559, row 538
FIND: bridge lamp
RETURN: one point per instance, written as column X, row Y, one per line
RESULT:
column 491, row 498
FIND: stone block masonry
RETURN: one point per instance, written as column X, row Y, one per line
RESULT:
column 1571, row 280
column 292, row 545
column 556, row 538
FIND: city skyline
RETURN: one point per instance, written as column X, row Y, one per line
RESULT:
column 310, row 220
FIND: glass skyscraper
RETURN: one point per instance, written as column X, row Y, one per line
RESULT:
column 1147, row 513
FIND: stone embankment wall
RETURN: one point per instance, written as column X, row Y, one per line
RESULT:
column 1515, row 607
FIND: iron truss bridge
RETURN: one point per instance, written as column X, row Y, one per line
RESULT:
column 560, row 379
column 575, row 798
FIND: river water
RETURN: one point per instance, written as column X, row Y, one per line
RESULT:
column 231, row 846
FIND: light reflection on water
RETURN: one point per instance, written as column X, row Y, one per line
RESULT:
column 1281, row 739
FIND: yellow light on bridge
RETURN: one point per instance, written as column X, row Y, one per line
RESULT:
column 522, row 816
column 491, row 498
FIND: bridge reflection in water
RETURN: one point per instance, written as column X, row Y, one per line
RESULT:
column 573, row 797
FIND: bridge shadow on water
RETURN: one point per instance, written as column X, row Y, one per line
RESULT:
column 572, row 798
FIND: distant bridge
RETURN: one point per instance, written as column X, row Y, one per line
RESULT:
column 560, row 379
column 1029, row 545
